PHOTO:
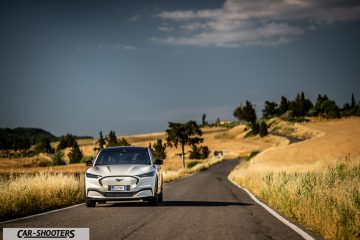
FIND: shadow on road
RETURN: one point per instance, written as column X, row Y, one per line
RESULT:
column 202, row 204
column 178, row 204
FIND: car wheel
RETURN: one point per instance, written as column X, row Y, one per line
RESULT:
column 154, row 201
column 90, row 203
column 160, row 197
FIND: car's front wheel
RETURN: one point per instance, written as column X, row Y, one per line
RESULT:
column 90, row 203
column 160, row 197
column 153, row 201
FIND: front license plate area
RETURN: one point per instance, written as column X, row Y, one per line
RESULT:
column 120, row 188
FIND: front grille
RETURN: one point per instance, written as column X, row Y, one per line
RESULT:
column 118, row 180
column 119, row 194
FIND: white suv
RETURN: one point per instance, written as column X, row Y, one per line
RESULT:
column 124, row 174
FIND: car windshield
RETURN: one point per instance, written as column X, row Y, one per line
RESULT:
column 118, row 156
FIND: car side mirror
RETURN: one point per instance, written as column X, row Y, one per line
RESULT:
column 158, row 162
column 89, row 163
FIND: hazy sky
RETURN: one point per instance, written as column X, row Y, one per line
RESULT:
column 132, row 66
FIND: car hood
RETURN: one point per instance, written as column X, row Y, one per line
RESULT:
column 124, row 169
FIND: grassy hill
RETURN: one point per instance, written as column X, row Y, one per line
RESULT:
column 33, row 134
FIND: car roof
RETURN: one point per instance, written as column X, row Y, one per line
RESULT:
column 119, row 147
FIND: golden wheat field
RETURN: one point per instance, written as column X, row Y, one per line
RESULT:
column 315, row 182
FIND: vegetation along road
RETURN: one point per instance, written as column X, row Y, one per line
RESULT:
column 203, row 206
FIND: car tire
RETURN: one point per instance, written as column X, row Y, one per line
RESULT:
column 154, row 201
column 90, row 203
column 160, row 197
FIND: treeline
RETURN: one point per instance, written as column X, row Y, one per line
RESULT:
column 111, row 140
column 294, row 110
column 301, row 107
column 22, row 138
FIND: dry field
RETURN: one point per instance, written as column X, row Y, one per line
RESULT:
column 230, row 141
column 315, row 182
column 28, row 194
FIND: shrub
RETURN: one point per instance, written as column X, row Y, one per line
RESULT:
column 263, row 129
column 84, row 159
column 255, row 127
column 75, row 155
column 44, row 146
column 192, row 164
column 201, row 152
column 158, row 149
column 58, row 159
column 252, row 154
column 123, row 142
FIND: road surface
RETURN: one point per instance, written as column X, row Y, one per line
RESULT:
column 203, row 206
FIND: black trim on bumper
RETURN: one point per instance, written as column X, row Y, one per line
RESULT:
column 118, row 194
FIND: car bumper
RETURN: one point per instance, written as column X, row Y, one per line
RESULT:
column 95, row 194
column 137, row 188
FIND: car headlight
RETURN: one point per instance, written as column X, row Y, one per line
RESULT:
column 149, row 174
column 89, row 175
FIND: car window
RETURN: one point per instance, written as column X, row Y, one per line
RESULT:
column 118, row 156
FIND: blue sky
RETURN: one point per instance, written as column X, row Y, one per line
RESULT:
column 132, row 66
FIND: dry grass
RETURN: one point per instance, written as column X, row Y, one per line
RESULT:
column 325, row 200
column 33, row 193
column 171, row 175
column 314, row 182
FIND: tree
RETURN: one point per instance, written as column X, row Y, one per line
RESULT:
column 325, row 107
column 66, row 140
column 111, row 139
column 101, row 141
column 183, row 134
column 263, row 129
column 158, row 149
column 255, row 127
column 283, row 106
column 123, row 142
column 75, row 155
column 204, row 123
column 245, row 113
column 44, row 146
column 270, row 109
column 217, row 122
column 59, row 159
column 353, row 102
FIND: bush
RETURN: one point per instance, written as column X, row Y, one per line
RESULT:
column 263, row 129
column 192, row 164
column 44, row 146
column 201, row 152
column 252, row 154
column 255, row 127
column 123, row 142
column 84, row 159
column 158, row 149
column 44, row 164
column 58, row 159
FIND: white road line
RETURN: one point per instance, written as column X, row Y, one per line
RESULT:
column 40, row 214
column 275, row 214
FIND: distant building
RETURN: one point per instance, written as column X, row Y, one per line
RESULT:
column 224, row 122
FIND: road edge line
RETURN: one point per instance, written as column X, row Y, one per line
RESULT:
column 298, row 230
column 40, row 214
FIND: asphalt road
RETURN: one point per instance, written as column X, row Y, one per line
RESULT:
column 203, row 206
